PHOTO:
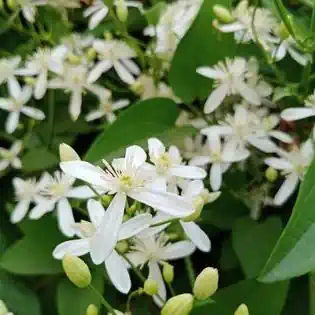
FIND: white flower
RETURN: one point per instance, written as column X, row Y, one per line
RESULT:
column 289, row 46
column 98, row 11
column 187, row 119
column 194, row 146
column 297, row 113
column 10, row 157
column 9, row 69
column 15, row 105
column 154, row 250
column 72, row 4
column 220, row 157
column 114, row 54
column 29, row 8
column 169, row 164
column 229, row 79
column 74, row 79
column 57, row 190
column 293, row 165
column 26, row 192
column 107, row 108
column 115, row 265
column 125, row 177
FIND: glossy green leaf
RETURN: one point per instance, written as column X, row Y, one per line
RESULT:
column 261, row 299
column 138, row 123
column 294, row 253
column 253, row 242
column 202, row 46
column 32, row 255
column 153, row 14
column 74, row 301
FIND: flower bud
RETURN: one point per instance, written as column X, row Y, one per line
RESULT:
column 122, row 10
column 198, row 203
column 271, row 174
column 77, row 271
column 242, row 310
column 137, row 88
column 91, row 54
column 132, row 209
column 168, row 273
column 29, row 81
column 206, row 283
column 150, row 287
column 92, row 310
column 108, row 36
column 283, row 31
column 122, row 246
column 12, row 5
column 67, row 153
column 73, row 59
column 3, row 308
column 222, row 13
column 106, row 200
column 178, row 305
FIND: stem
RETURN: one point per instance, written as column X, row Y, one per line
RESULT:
column 165, row 222
column 312, row 292
column 51, row 116
column 171, row 289
column 109, row 308
column 190, row 271
column 130, row 297
column 312, row 27
column 94, row 190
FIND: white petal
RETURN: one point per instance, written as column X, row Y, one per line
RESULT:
column 155, row 274
column 33, row 113
column 12, row 122
column 14, row 87
column 134, row 226
column 16, row 163
column 286, row 190
column 193, row 188
column 177, row 250
column 231, row 27
column 97, row 17
column 41, row 208
column 120, row 104
column 5, row 104
column 278, row 164
column 84, row 171
column 118, row 272
column 74, row 247
column 215, row 176
column 210, row 73
column 81, row 192
column 297, row 113
column 137, row 258
column 123, row 73
column 197, row 236
column 249, row 94
column 20, row 211
column 298, row 57
column 96, row 212
column 135, row 156
column 75, row 104
column 41, row 85
column 4, row 164
column 131, row 66
column 188, row 171
column 98, row 70
column 93, row 115
column 200, row 160
column 262, row 144
column 280, row 135
column 216, row 98
column 156, row 148
column 65, row 217
column 167, row 202
column 106, row 236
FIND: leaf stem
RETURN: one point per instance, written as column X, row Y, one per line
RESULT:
column 109, row 308
column 190, row 271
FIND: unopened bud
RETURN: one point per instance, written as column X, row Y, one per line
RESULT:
column 92, row 310
column 12, row 5
column 106, row 200
column 77, row 271
column 242, row 310
column 132, row 209
column 122, row 246
column 137, row 88
column 222, row 14
column 168, row 273
column 30, row 81
column 271, row 174
column 73, row 59
column 3, row 308
column 91, row 54
column 67, row 153
column 210, row 197
column 150, row 287
column 122, row 10
column 206, row 283
column 108, row 36
column 178, row 305
column 283, row 31
column 198, row 203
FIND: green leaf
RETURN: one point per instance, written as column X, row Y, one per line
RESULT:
column 18, row 298
column 74, row 301
column 39, row 159
column 138, row 123
column 210, row 45
column 248, row 236
column 261, row 299
column 32, row 255
column 228, row 258
column 294, row 253
column 153, row 14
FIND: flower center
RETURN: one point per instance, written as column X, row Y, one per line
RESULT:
column 58, row 189
column 125, row 183
column 163, row 163
column 86, row 228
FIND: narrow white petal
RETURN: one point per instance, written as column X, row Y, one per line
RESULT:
column 134, row 226
column 97, row 17
column 14, row 87
column 98, row 70
column 279, row 164
column 33, row 113
column 93, row 115
column 249, row 94
column 81, row 192
column 298, row 57
column 4, row 164
column 17, row 163
column 200, row 160
column 215, row 176
column 135, row 156
column 65, row 217
column 262, row 144
column 297, row 113
column 124, row 73
column 188, row 171
column 20, row 211
column 75, row 104
column 41, row 208
column 5, row 104
column 12, row 122
column 156, row 148
column 210, row 73
column 197, row 236
column 106, row 236
column 131, row 66
column 286, row 189
column 96, row 212
column 118, row 272
column 41, row 85
column 74, row 247
column 216, row 98
column 282, row 136
column 155, row 274
column 177, row 250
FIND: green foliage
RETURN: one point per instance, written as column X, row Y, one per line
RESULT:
column 293, row 255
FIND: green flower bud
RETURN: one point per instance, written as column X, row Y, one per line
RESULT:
column 106, row 200
column 91, row 54
column 283, row 31
column 150, row 287
column 222, row 13
column 178, row 305
column 77, row 271
column 12, row 5
column 108, row 36
column 137, row 88
column 92, row 310
column 29, row 81
column 67, row 154
column 122, row 10
column 271, row 174
column 198, row 203
column 132, row 209
column 73, row 59
column 242, row 310
column 122, row 246
column 206, row 283
column 168, row 273
column 3, row 308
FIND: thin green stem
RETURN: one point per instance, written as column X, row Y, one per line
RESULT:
column 130, row 297
column 94, row 190
column 190, row 271
column 165, row 222
column 109, row 308
column 170, row 287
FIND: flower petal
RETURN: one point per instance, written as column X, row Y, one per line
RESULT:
column 124, row 73
column 20, row 211
column 135, row 156
column 74, row 247
column 297, row 113
column 286, row 189
column 12, row 122
column 215, row 176
column 96, row 212
column 197, row 236
column 65, row 217
column 216, row 98
column 177, row 250
column 188, row 171
column 33, row 113
column 98, row 70
column 155, row 274
column 156, row 148
column 81, row 192
column 75, row 104
column 279, row 164
column 97, row 17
